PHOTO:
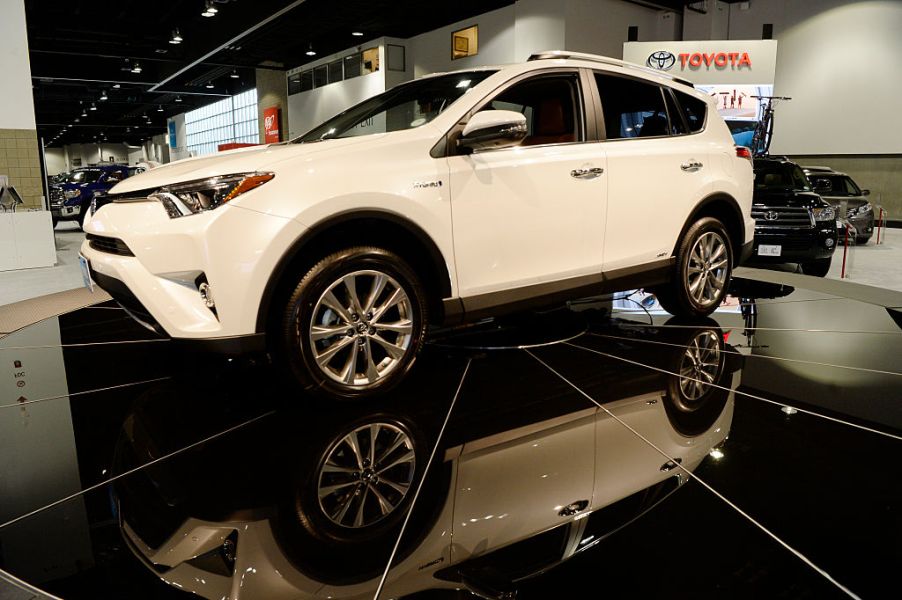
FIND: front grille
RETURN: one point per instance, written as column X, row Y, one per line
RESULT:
column 56, row 197
column 110, row 245
column 782, row 216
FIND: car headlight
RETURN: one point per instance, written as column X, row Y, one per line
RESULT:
column 198, row 196
column 864, row 208
column 823, row 214
column 72, row 193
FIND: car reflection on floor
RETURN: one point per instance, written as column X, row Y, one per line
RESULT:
column 529, row 470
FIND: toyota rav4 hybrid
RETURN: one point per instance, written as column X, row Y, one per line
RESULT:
column 443, row 200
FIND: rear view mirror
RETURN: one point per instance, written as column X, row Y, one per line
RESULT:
column 492, row 129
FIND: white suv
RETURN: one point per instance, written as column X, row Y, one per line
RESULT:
column 442, row 200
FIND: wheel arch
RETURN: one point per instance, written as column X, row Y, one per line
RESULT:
column 725, row 208
column 368, row 227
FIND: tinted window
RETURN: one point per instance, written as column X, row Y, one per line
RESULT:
column 550, row 105
column 834, row 185
column 84, row 176
column 780, row 176
column 306, row 81
column 294, row 84
column 320, row 76
column 353, row 64
column 631, row 108
column 677, row 127
column 335, row 73
column 694, row 109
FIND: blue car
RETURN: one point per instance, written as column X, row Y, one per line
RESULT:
column 70, row 199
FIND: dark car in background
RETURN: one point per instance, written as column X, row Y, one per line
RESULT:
column 839, row 189
column 70, row 199
column 793, row 224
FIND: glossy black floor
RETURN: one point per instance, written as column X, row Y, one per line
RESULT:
column 567, row 454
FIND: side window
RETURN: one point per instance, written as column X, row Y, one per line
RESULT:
column 114, row 177
column 694, row 109
column 677, row 126
column 551, row 105
column 632, row 108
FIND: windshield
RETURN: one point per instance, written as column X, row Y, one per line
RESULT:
column 834, row 185
column 402, row 107
column 780, row 176
column 84, row 176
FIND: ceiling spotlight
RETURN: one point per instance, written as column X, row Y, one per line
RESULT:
column 209, row 9
column 83, row 113
column 234, row 74
column 159, row 108
column 69, row 125
column 127, row 129
column 116, row 86
column 310, row 50
column 176, row 37
column 93, row 106
column 209, row 85
column 357, row 33
column 103, row 95
column 136, row 68
column 178, row 98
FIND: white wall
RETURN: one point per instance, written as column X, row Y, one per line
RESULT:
column 57, row 160
column 92, row 154
column 16, row 100
column 430, row 52
column 308, row 109
column 602, row 26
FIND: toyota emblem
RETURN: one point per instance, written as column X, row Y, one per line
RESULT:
column 771, row 215
column 661, row 60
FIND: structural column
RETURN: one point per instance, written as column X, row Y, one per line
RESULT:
column 19, row 158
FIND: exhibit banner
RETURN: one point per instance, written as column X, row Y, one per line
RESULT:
column 173, row 141
column 711, row 62
column 271, row 133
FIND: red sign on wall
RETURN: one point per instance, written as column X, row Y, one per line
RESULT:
column 271, row 132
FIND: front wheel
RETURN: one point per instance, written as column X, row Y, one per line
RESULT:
column 704, row 263
column 354, row 324
column 817, row 268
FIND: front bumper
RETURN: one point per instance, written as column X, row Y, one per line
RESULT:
column 65, row 213
column 863, row 224
column 157, row 278
column 797, row 245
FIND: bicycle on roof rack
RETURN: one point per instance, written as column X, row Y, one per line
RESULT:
column 764, row 129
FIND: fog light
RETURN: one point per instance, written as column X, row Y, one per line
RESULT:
column 829, row 242
column 206, row 294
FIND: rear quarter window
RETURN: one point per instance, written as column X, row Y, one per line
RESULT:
column 694, row 109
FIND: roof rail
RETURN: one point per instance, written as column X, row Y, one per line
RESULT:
column 606, row 60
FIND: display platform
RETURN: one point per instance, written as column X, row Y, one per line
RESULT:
column 751, row 455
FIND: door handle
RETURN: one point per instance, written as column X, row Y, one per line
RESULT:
column 691, row 166
column 573, row 508
column 587, row 173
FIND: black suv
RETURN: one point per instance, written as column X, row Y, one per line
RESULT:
column 792, row 223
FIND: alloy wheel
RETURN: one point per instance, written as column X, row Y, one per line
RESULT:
column 362, row 327
column 699, row 367
column 366, row 476
column 707, row 269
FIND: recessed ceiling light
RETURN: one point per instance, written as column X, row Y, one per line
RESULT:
column 357, row 33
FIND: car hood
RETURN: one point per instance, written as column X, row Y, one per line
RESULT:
column 851, row 201
column 787, row 198
column 242, row 160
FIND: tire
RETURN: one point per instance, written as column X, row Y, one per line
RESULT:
column 861, row 241
column 817, row 268
column 326, row 330
column 707, row 235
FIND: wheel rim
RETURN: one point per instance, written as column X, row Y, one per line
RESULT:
column 366, row 476
column 361, row 328
column 706, row 271
column 699, row 367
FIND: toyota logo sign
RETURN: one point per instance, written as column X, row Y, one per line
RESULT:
column 771, row 215
column 661, row 60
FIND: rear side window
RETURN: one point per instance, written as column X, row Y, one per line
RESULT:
column 677, row 127
column 694, row 109
column 632, row 108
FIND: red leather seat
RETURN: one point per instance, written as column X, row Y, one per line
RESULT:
column 550, row 126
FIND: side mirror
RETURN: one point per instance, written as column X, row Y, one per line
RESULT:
column 865, row 192
column 492, row 129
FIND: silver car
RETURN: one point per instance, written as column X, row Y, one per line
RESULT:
column 838, row 188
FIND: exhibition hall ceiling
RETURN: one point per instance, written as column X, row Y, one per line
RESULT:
column 82, row 50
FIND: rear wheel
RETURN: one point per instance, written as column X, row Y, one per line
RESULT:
column 354, row 324
column 817, row 268
column 704, row 262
